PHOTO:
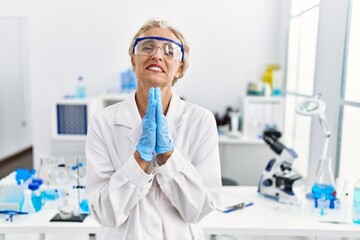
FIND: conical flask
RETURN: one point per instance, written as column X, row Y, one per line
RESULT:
column 324, row 185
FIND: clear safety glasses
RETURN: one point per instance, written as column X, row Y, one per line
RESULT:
column 148, row 45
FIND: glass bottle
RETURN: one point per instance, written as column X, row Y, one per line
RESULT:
column 324, row 185
column 356, row 204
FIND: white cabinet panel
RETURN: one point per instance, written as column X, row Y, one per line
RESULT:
column 244, row 162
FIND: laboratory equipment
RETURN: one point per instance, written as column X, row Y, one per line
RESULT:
column 11, row 214
column 66, row 210
column 356, row 204
column 127, row 81
column 28, row 206
column 234, row 120
column 316, row 107
column 277, row 180
column 255, row 88
column 80, row 88
column 70, row 120
column 71, row 117
column 324, row 184
column 259, row 112
column 36, row 197
column 79, row 187
column 12, row 189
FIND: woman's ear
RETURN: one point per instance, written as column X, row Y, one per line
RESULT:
column 133, row 63
column 179, row 70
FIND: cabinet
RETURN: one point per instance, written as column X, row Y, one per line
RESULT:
column 243, row 160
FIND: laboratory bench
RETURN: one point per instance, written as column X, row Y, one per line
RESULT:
column 265, row 217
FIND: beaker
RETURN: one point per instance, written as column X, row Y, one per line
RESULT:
column 324, row 185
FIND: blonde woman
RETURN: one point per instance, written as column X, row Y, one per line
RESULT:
column 153, row 168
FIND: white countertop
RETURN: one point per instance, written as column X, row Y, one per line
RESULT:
column 266, row 217
column 270, row 218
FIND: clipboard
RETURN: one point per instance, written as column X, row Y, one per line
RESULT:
column 230, row 202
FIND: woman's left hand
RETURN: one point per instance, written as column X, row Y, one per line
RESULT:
column 163, row 142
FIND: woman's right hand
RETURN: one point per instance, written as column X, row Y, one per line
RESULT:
column 147, row 141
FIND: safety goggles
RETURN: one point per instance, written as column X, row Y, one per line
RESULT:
column 148, row 45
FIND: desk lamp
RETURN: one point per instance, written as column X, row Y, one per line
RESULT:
column 316, row 107
column 324, row 186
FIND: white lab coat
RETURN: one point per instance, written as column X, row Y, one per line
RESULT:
column 167, row 202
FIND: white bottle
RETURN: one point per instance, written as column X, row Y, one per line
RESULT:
column 27, row 205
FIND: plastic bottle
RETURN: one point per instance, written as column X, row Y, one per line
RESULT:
column 277, row 83
column 324, row 186
column 27, row 205
column 356, row 204
column 39, row 181
column 128, row 81
column 80, row 88
column 36, row 197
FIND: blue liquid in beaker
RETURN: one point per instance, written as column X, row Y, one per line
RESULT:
column 323, row 191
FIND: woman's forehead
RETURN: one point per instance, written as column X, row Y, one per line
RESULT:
column 161, row 32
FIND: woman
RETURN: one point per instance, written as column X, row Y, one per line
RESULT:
column 153, row 168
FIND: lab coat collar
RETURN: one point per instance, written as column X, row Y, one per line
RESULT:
column 128, row 115
column 175, row 114
column 125, row 114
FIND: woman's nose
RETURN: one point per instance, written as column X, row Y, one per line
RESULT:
column 158, row 53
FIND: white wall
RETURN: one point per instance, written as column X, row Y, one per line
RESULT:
column 230, row 41
column 15, row 112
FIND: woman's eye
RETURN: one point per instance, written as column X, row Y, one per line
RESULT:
column 168, row 50
column 147, row 47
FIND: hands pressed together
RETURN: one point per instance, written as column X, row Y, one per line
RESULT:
column 155, row 135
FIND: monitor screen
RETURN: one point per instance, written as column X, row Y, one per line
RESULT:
column 71, row 119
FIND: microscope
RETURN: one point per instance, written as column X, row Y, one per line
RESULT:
column 278, row 177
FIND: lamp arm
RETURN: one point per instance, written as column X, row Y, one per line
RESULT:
column 327, row 133
column 324, row 125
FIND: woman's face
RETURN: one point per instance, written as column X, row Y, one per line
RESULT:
column 155, row 70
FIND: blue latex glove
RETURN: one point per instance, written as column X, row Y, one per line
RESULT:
column 163, row 142
column 147, row 141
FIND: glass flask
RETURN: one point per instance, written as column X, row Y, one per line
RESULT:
column 324, row 185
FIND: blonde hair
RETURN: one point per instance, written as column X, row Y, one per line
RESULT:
column 158, row 23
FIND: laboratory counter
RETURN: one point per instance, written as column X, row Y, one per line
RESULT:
column 265, row 217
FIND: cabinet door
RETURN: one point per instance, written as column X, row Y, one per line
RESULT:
column 15, row 132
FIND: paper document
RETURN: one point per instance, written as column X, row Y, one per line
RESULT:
column 231, row 202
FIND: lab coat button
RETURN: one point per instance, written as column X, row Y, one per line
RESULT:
column 159, row 175
column 149, row 180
